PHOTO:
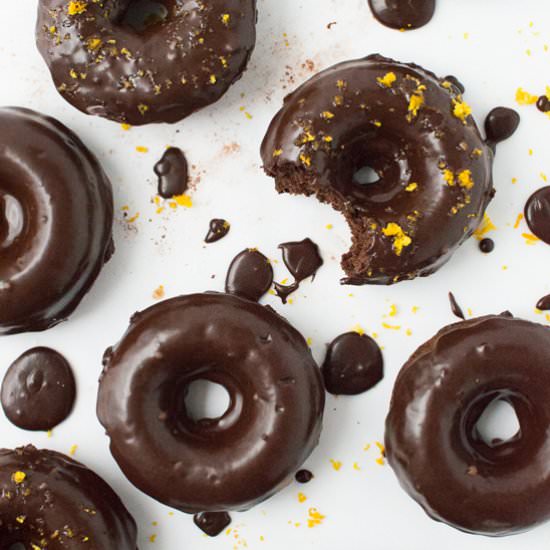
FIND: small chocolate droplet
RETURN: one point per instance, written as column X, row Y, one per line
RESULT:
column 218, row 230
column 173, row 173
column 486, row 245
column 250, row 275
column 455, row 308
column 500, row 124
column 544, row 303
column 303, row 476
column 537, row 213
column 212, row 523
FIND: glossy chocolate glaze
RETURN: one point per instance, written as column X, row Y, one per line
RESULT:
column 217, row 230
column 212, row 523
column 173, row 173
column 56, row 216
column 62, row 502
column 455, row 307
column 229, row 463
column 500, row 124
column 403, row 14
column 537, row 213
column 432, row 440
column 302, row 258
column 434, row 167
column 250, row 275
column 486, row 245
column 353, row 364
column 303, row 476
column 38, row 390
column 106, row 63
column 544, row 303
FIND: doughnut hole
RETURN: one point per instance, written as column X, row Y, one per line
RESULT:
column 143, row 15
column 498, row 423
column 206, row 400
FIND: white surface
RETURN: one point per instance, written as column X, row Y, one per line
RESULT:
column 364, row 508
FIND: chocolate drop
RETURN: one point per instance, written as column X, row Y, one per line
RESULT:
column 543, row 104
column 303, row 476
column 173, row 173
column 400, row 14
column 353, row 364
column 486, row 245
column 250, row 275
column 455, row 308
column 212, row 523
column 537, row 213
column 544, row 303
column 284, row 291
column 500, row 124
column 38, row 390
column 218, row 230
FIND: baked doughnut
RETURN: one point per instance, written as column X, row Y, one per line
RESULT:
column 432, row 437
column 139, row 62
column 433, row 169
column 49, row 501
column 239, row 459
column 56, row 217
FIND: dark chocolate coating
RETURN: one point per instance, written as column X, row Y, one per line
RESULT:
column 217, row 230
column 435, row 170
column 432, row 441
column 173, row 173
column 301, row 258
column 229, row 463
column 250, row 275
column 353, row 364
column 103, row 65
column 38, row 390
column 212, row 523
column 500, row 124
column 59, row 501
column 403, row 14
column 537, row 213
column 56, row 217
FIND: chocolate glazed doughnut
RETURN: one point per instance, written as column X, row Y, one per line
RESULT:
column 433, row 169
column 48, row 500
column 144, row 61
column 229, row 463
column 432, row 440
column 56, row 217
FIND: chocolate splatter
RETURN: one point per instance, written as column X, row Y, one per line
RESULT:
column 544, row 303
column 455, row 307
column 218, row 230
column 353, row 364
column 537, row 213
column 173, row 173
column 250, row 275
column 303, row 476
column 212, row 523
column 302, row 259
column 398, row 14
column 543, row 104
column 486, row 245
column 38, row 390
column 500, row 124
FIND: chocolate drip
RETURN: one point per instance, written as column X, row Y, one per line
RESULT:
column 218, row 230
column 455, row 308
column 500, row 124
column 537, row 213
column 301, row 258
column 353, row 364
column 212, row 523
column 250, row 275
column 38, row 390
column 544, row 303
column 543, row 104
column 401, row 14
column 486, row 245
column 173, row 173
column 303, row 476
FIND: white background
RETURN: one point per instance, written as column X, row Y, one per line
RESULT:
column 364, row 508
